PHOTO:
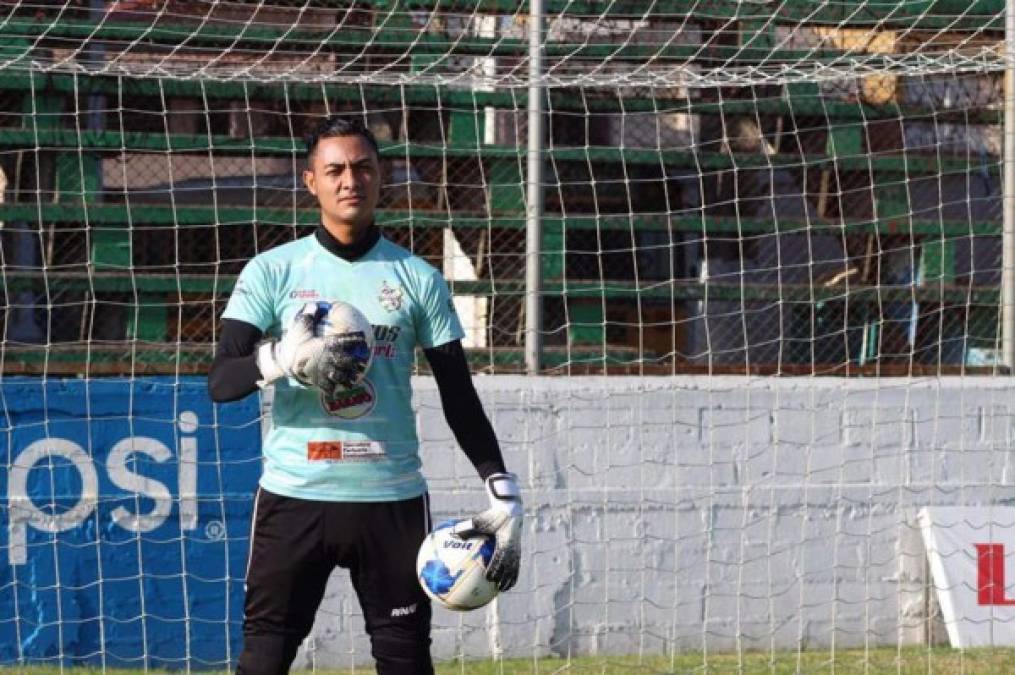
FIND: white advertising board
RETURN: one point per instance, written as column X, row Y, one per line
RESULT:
column 971, row 551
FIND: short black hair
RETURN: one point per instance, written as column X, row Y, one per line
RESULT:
column 339, row 125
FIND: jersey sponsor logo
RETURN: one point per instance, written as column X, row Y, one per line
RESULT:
column 386, row 333
column 318, row 451
column 352, row 403
column 303, row 294
column 390, row 297
column 384, row 341
column 337, row 451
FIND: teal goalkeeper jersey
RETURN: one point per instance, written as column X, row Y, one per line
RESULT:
column 360, row 446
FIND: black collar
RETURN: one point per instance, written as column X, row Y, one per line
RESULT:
column 349, row 252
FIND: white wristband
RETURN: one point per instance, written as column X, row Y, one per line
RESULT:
column 270, row 370
column 502, row 489
column 503, row 486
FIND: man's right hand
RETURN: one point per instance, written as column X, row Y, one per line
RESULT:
column 328, row 363
column 295, row 351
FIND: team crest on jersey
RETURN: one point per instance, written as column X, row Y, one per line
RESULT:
column 390, row 297
column 352, row 403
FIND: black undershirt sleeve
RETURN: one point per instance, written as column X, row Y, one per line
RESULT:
column 234, row 373
column 463, row 409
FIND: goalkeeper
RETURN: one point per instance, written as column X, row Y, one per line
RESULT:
column 341, row 484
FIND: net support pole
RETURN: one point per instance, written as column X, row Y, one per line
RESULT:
column 534, row 190
column 1008, row 227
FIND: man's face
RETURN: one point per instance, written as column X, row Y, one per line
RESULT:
column 345, row 176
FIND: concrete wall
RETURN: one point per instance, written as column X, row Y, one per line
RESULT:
column 727, row 512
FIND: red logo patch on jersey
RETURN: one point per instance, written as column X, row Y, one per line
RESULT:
column 324, row 450
column 308, row 294
column 345, row 451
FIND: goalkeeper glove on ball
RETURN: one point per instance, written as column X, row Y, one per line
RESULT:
column 503, row 522
column 329, row 363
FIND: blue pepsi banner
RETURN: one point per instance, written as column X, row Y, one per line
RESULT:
column 125, row 506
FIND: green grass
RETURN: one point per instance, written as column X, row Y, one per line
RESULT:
column 908, row 661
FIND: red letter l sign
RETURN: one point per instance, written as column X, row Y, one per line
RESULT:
column 990, row 575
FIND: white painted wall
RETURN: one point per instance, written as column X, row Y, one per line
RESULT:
column 675, row 513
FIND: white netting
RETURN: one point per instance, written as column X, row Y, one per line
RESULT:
column 589, row 44
column 733, row 190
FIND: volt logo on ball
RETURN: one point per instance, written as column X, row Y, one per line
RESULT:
column 24, row 513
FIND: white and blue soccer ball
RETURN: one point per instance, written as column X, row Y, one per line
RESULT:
column 452, row 569
column 341, row 319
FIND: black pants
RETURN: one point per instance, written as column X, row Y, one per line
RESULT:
column 295, row 545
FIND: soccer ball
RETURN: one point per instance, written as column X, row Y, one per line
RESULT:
column 356, row 335
column 452, row 569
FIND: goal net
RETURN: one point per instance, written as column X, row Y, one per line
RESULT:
column 773, row 338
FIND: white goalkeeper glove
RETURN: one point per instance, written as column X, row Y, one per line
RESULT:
column 327, row 363
column 502, row 521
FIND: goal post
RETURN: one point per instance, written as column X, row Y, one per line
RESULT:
column 1008, row 239
column 736, row 280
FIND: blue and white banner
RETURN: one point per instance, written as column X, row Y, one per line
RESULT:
column 125, row 506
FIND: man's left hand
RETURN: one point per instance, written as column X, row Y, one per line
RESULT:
column 502, row 521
